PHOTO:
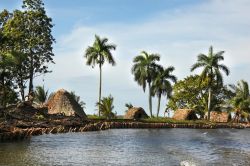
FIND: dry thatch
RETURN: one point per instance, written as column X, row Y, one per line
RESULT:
column 218, row 116
column 136, row 113
column 184, row 114
column 64, row 103
column 24, row 111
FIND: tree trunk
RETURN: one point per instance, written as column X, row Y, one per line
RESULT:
column 100, row 89
column 31, row 78
column 209, row 103
column 22, row 94
column 159, row 105
column 4, row 91
column 22, row 89
column 150, row 99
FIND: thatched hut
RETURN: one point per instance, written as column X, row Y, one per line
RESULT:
column 218, row 116
column 185, row 114
column 136, row 113
column 62, row 102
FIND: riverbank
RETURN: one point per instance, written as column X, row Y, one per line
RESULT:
column 18, row 129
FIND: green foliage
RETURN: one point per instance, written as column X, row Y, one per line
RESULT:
column 145, row 68
column 189, row 93
column 241, row 99
column 106, row 107
column 129, row 106
column 78, row 99
column 7, row 87
column 211, row 67
column 98, row 53
column 145, row 71
column 96, row 117
column 7, row 96
column 192, row 93
column 211, row 72
column 28, row 38
column 41, row 95
column 39, row 117
column 162, row 84
column 172, row 121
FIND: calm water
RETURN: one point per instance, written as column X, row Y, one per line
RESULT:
column 132, row 147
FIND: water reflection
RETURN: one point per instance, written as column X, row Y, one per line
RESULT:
column 132, row 147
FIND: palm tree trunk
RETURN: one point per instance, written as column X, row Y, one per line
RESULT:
column 100, row 89
column 159, row 105
column 150, row 99
column 209, row 103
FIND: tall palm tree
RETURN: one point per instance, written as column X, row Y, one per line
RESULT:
column 211, row 71
column 162, row 84
column 98, row 53
column 144, row 70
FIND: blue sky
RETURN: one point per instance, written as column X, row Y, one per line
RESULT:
column 178, row 30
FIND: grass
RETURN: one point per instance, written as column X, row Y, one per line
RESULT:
column 150, row 120
column 119, row 118
column 170, row 120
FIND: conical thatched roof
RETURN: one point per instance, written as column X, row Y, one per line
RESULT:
column 63, row 102
column 184, row 114
column 218, row 116
column 136, row 113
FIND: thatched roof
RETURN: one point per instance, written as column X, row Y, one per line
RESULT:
column 63, row 102
column 218, row 116
column 184, row 114
column 135, row 113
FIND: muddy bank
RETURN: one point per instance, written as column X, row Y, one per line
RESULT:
column 22, row 130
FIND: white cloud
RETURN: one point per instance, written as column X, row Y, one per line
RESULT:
column 178, row 36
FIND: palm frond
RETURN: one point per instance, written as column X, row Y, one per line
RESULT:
column 197, row 65
column 224, row 69
column 106, row 107
column 41, row 95
column 99, row 52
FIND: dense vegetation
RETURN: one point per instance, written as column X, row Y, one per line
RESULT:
column 26, row 50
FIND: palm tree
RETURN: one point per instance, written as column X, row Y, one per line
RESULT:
column 41, row 95
column 241, row 99
column 211, row 71
column 129, row 106
column 78, row 99
column 144, row 70
column 106, row 107
column 97, row 54
column 162, row 85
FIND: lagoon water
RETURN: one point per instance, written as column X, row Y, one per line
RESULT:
column 132, row 147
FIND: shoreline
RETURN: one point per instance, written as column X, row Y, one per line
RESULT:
column 20, row 132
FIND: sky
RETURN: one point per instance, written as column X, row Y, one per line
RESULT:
column 177, row 30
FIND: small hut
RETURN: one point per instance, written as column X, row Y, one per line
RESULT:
column 136, row 113
column 185, row 114
column 218, row 116
column 62, row 102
